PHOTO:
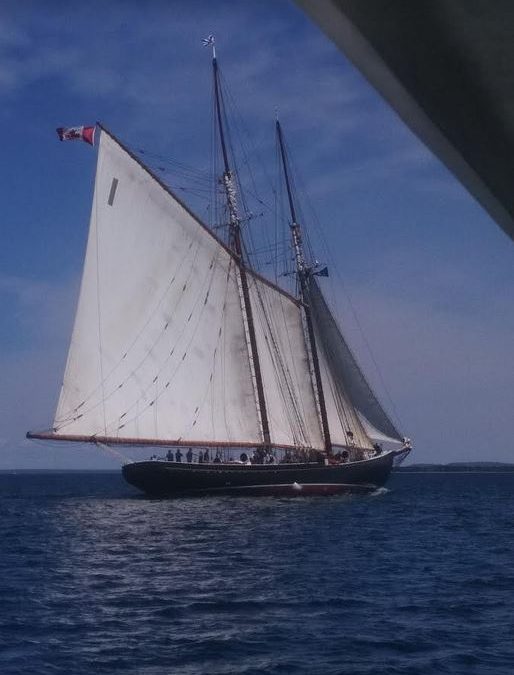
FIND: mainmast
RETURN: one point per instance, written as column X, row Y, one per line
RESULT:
column 304, row 273
column 236, row 245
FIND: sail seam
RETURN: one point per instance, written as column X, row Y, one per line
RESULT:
column 177, row 365
column 174, row 351
column 118, row 385
column 291, row 407
column 213, row 366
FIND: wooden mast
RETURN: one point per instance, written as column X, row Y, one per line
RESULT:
column 236, row 245
column 304, row 274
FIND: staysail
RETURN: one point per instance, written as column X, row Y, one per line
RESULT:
column 159, row 349
column 346, row 371
column 287, row 380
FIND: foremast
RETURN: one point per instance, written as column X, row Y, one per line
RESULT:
column 235, row 244
column 304, row 272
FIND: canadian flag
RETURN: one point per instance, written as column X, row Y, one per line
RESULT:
column 86, row 134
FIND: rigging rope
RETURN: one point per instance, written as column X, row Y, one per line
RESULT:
column 144, row 392
column 178, row 365
column 139, row 335
column 213, row 367
column 285, row 381
column 329, row 257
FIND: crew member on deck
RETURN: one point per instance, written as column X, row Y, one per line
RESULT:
column 178, row 455
column 189, row 455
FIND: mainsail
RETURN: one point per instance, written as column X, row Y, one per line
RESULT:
column 351, row 383
column 159, row 349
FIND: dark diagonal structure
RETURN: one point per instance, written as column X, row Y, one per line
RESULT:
column 447, row 68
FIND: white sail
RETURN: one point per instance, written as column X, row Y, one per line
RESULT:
column 288, row 389
column 158, row 349
column 377, row 435
column 342, row 416
column 345, row 368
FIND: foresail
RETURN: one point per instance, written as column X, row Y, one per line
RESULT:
column 376, row 435
column 158, row 347
column 344, row 367
column 288, row 389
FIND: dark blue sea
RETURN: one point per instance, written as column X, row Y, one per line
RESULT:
column 416, row 579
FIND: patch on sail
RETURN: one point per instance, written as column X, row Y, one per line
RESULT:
column 112, row 192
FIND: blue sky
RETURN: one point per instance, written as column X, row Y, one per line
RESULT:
column 429, row 274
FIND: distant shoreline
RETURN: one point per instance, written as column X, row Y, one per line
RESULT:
column 454, row 467
column 32, row 471
column 457, row 467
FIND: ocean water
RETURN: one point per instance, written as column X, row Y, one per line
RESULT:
column 418, row 578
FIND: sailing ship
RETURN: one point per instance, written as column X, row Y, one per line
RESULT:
column 181, row 346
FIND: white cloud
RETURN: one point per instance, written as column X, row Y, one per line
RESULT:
column 158, row 72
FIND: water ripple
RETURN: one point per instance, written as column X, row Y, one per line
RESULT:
column 94, row 578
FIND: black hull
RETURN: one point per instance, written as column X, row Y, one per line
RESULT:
column 170, row 479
